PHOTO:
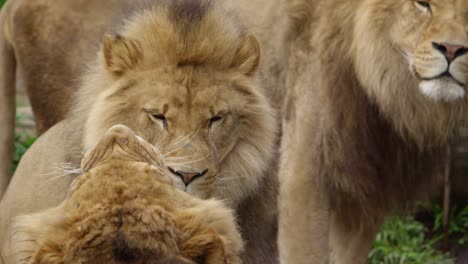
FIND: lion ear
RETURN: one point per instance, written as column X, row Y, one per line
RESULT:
column 247, row 58
column 121, row 54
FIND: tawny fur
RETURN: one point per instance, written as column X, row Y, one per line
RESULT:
column 125, row 208
column 44, row 48
column 163, row 63
column 361, row 136
column 191, row 69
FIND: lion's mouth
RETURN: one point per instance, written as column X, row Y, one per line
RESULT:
column 446, row 75
column 443, row 88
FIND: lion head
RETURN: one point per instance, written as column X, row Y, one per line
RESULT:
column 184, row 76
column 124, row 209
column 411, row 57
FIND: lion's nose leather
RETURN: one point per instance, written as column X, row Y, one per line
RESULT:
column 187, row 177
column 450, row 51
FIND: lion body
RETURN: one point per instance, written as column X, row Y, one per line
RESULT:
column 122, row 195
column 217, row 76
column 362, row 135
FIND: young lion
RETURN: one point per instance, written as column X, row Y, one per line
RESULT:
column 185, row 75
column 124, row 208
column 377, row 90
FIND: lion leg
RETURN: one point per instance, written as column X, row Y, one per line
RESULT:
column 303, row 224
column 7, row 102
column 303, row 208
column 303, row 202
column 351, row 245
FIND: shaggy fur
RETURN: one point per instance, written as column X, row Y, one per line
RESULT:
column 163, row 64
column 362, row 134
column 124, row 209
column 50, row 44
column 192, row 84
column 44, row 47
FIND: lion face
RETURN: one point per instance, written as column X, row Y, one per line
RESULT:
column 196, row 118
column 409, row 58
column 427, row 37
column 432, row 36
column 435, row 41
column 200, row 104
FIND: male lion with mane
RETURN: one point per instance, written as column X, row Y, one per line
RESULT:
column 47, row 46
column 183, row 75
column 377, row 90
column 124, row 208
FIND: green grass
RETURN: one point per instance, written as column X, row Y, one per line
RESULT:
column 21, row 144
column 407, row 241
column 2, row 2
column 404, row 241
column 458, row 224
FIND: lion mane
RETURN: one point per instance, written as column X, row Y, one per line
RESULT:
column 373, row 102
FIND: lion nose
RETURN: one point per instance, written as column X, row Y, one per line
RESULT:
column 187, row 177
column 450, row 51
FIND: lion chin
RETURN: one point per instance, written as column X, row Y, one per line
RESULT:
column 442, row 89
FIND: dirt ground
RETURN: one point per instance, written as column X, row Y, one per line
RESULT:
column 462, row 257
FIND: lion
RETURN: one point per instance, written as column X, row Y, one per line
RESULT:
column 47, row 48
column 376, row 91
column 124, row 208
column 187, row 76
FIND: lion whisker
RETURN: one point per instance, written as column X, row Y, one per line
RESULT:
column 186, row 138
column 174, row 150
column 226, row 180
column 190, row 162
column 56, row 178
column 181, row 158
column 182, row 138
column 25, row 241
column 51, row 173
column 26, row 258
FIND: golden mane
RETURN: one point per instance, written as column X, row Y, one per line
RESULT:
column 168, row 36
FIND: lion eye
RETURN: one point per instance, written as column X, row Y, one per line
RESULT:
column 423, row 5
column 159, row 117
column 215, row 119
